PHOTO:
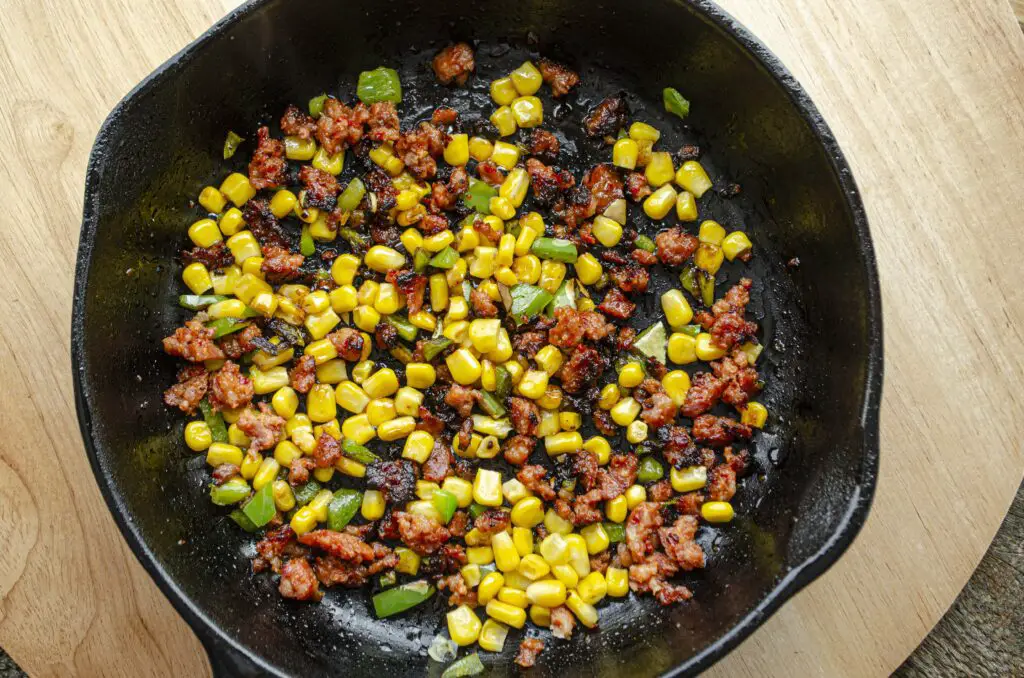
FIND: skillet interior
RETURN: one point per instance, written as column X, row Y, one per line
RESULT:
column 816, row 459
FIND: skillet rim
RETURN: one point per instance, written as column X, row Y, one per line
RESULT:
column 222, row 649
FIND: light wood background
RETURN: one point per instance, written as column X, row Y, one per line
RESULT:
column 925, row 96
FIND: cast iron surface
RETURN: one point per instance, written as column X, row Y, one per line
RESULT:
column 816, row 460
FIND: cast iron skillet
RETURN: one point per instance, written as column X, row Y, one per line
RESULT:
column 816, row 460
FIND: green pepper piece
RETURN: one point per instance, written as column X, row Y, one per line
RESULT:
column 491, row 405
column 616, row 532
column 196, row 302
column 688, row 279
column 242, row 520
column 316, row 105
column 691, row 330
column 231, row 492
column 445, row 503
column 352, row 195
column 675, row 103
column 644, row 243
column 343, row 508
column 446, row 258
column 565, row 296
column 555, row 249
column 305, row 494
column 401, row 598
column 387, row 579
column 476, row 509
column 406, row 330
column 261, row 509
column 306, row 245
column 224, row 326
column 215, row 421
column 650, row 470
column 401, row 353
column 354, row 450
column 502, row 383
column 470, row 665
column 356, row 240
column 434, row 347
column 527, row 301
column 467, row 290
column 479, row 195
column 420, row 260
column 231, row 144
column 706, row 283
column 380, row 84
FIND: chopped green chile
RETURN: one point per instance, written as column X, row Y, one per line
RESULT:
column 616, row 532
column 700, row 284
column 387, row 579
column 476, row 509
column 502, row 383
column 401, row 598
column 479, row 195
column 406, row 330
column 243, row 521
column 352, row 195
column 691, row 330
column 215, row 421
column 343, row 508
column 650, row 470
column 644, row 243
column 527, row 302
column 434, row 347
column 316, row 105
column 305, row 494
column 675, row 103
column 491, row 405
column 470, row 665
column 358, row 241
column 231, row 492
column 402, row 354
column 197, row 302
column 446, row 258
column 380, row 84
column 231, row 144
column 261, row 509
column 555, row 249
column 445, row 503
column 306, row 246
column 360, row 453
column 224, row 326
column 420, row 260
column 565, row 296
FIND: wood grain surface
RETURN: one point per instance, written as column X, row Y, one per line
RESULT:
column 925, row 96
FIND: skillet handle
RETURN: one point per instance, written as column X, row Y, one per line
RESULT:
column 226, row 661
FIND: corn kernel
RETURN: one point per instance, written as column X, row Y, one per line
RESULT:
column 600, row 448
column 707, row 349
column 396, row 428
column 388, row 300
column 503, row 91
column 686, row 207
column 528, row 112
column 711, row 232
column 231, row 222
column 709, row 258
column 464, row 366
column 418, row 446
column 506, row 557
column 636, row 432
column 480, row 148
column 381, row 384
column 303, row 521
column 588, row 268
column 569, row 421
column 237, row 189
column 487, row 489
column 205, row 233
column 489, row 587
column 692, row 177
column 551, row 399
column 616, row 509
column 463, row 626
column 682, row 348
column 344, row 269
column 676, row 383
column 610, row 395
column 625, row 153
column 505, row 613
column 266, row 474
column 471, row 575
column 659, row 204
column 268, row 381
column 515, row 597
column 527, row 512
column 504, row 120
column 380, row 410
column 565, row 574
column 551, row 275
column 480, row 555
column 457, row 151
column 631, row 375
column 285, row 402
column 503, row 351
column 659, row 169
column 198, row 436
column 563, row 443
column 717, row 511
column 358, row 429
column 250, row 465
column 383, row 259
column 556, row 523
column 505, row 155
column 754, row 414
column 283, row 203
column 736, row 244
column 625, row 411
column 549, row 359
column 492, row 636
column 677, row 309
column 438, row 241
column 617, row 581
column 284, row 498
column 592, row 588
column 585, row 613
column 635, row 494
column 533, row 384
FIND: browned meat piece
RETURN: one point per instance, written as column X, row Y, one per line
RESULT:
column 604, row 423
column 422, row 535
column 587, row 469
column 704, row 393
column 385, row 336
column 719, row 431
column 740, row 379
column 215, row 257
column 604, row 184
column 482, row 227
column 328, row 451
column 725, row 322
column 459, row 592
column 339, row 544
column 379, row 183
column 462, row 399
column 721, row 483
column 238, row 344
column 333, row 571
column 454, row 63
column 429, row 422
column 558, row 76
column 636, row 186
column 263, row 224
column 562, row 622
column 272, row 548
column 436, row 467
column 193, row 342
column 383, row 122
column 303, row 374
column 601, row 561
column 608, row 117
column 418, row 149
column 525, row 416
column 444, row 116
column 617, row 305
column 666, row 593
column 549, row 184
column 625, row 338
column 340, row 126
column 268, row 168
column 483, row 307
column 295, row 123
column 264, row 428
column 675, row 246
column 322, row 188
column 660, row 491
column 491, row 521
column 518, row 449
column 412, row 285
column 298, row 472
column 432, row 224
column 224, row 473
column 658, row 408
column 644, row 258
column 641, row 530
column 544, row 146
column 528, row 343
column 459, row 524
column 229, row 388
column 689, row 504
column 584, row 367
column 620, row 474
column 532, row 477
column 280, row 265
column 298, row 581
column 445, row 196
column 395, row 479
column 489, row 172
column 186, row 395
column 677, row 449
column 679, row 544
column 348, row 343
column 528, row 651
column 574, row 325
column 630, row 279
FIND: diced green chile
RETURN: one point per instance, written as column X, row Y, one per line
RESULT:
column 420, row 260
column 502, row 383
column 644, row 243
column 358, row 241
column 565, row 296
column 555, row 249
column 527, row 301
column 306, row 246
column 650, row 470
column 224, row 326
column 491, row 405
column 616, row 532
column 261, row 509
column 476, row 509
column 446, row 258
column 243, row 521
column 675, row 103
column 479, row 195
column 229, row 493
column 231, row 144
column 316, row 105
column 352, row 195
column 401, row 598
column 401, row 353
column 445, row 503
column 470, row 665
column 434, row 347
column 343, row 508
column 406, row 330
column 387, row 579
column 380, row 84
column 700, row 284
column 196, row 302
column 215, row 421
column 354, row 450
column 305, row 494
column 691, row 330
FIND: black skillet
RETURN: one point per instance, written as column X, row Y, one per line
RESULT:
column 816, row 460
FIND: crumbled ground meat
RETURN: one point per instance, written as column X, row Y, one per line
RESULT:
column 549, row 184
column 586, row 469
column 608, row 117
column 529, row 648
column 385, row 336
column 562, row 622
column 303, row 374
column 239, row 343
column 264, row 428
column 412, row 285
column 429, row 422
column 719, row 431
column 631, row 278
column 658, row 408
column 444, row 116
column 229, row 388
column 348, row 343
column 186, row 395
column 339, row 544
column 333, row 571
column 418, row 149
column 660, row 491
column 459, row 592
column 528, row 343
column 636, row 186
column 574, row 325
column 544, row 146
column 436, row 467
column 641, row 530
column 432, row 224
column 677, row 446
column 739, row 378
column 583, row 368
column 379, row 183
column 525, row 416
column 644, row 258
column 483, row 307
column 224, row 473
column 268, row 168
column 328, row 451
column 462, row 399
column 675, row 246
column 721, row 483
column 321, row 187
column 679, row 544
column 396, row 479
column 617, row 305
column 489, row 172
column 215, row 257
column 604, row 184
column 558, row 76
column 295, row 123
column 272, row 548
column 454, row 63
column 383, row 122
column 689, row 504
column 445, row 196
column 423, row 535
column 193, row 342
column 533, row 477
column 485, row 230
column 280, row 265
column 725, row 321
column 299, row 470
column 491, row 521
column 340, row 126
column 704, row 393
column 263, row 224
column 603, row 422
column 518, row 449
column 298, row 581
column 601, row 561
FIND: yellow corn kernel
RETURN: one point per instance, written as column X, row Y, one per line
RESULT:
column 197, row 278
column 372, row 507
column 420, row 375
column 513, row 491
column 584, row 612
column 676, row 383
column 212, row 200
column 688, row 479
column 492, row 636
column 359, row 429
column 607, row 231
column 362, row 371
column 631, row 375
column 541, row 616
column 438, row 241
column 224, row 282
column 503, row 91
column 600, row 448
column 237, row 189
column 423, row 320
column 568, row 442
column 231, row 222
column 229, row 308
column 471, row 575
column 283, row 203
column 659, row 169
column 380, row 410
column 588, row 268
column 366, row 318
column 635, row 494
column 677, row 309
column 266, row 474
column 268, row 381
column 592, row 588
column 322, row 351
column 533, row 384
column 625, row 411
column 505, row 155
column 344, row 299
column 408, row 401
column 321, row 324
column 549, row 359
column 284, row 498
column 368, row 292
column 248, row 286
column 489, row 587
column 526, row 79
column 250, row 465
column 457, row 151
column 503, row 351
column 523, row 540
column 506, row 277
column 625, row 153
column 483, row 333
column 554, row 550
column 487, row 488
column 709, row 258
column 506, row 557
column 381, row 384
column 254, row 266
column 388, row 301
column 488, row 448
column 659, row 204
column 515, row 370
column 686, row 207
column 480, row 148
column 438, row 292
column 297, row 148
column 506, row 250
column 298, row 423
column 458, row 307
column 426, row 489
column 617, row 582
column 514, row 597
column 641, row 131
column 528, row 112
column 556, row 523
column 470, row 451
column 349, row 467
column 569, row 421
column 551, row 275
column 285, row 401
column 320, row 403
column 332, row 164
column 616, row 509
column 457, row 331
column 265, row 304
column 303, row 521
column 504, row 120
column 707, row 349
column 682, row 348
column 736, row 244
column 408, row 561
column 198, row 436
column 305, row 214
column 396, row 428
column 533, row 566
column 527, row 268
column 551, row 399
column 548, row 425
column 479, row 555
column 316, row 302
column 463, row 625
column 717, row 511
column 505, row 613
column 383, row 259
column 567, row 576
column 417, row 446
column 527, row 512
column 692, row 176
column 711, row 232
column 515, row 186
column 484, row 262
column 344, row 269
column 610, row 395
column 204, row 233
column 462, row 489
column 596, row 538
column 468, row 240
column 754, row 414
column 464, row 366
column 425, row 509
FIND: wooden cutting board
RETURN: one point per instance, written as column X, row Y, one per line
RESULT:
column 925, row 96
